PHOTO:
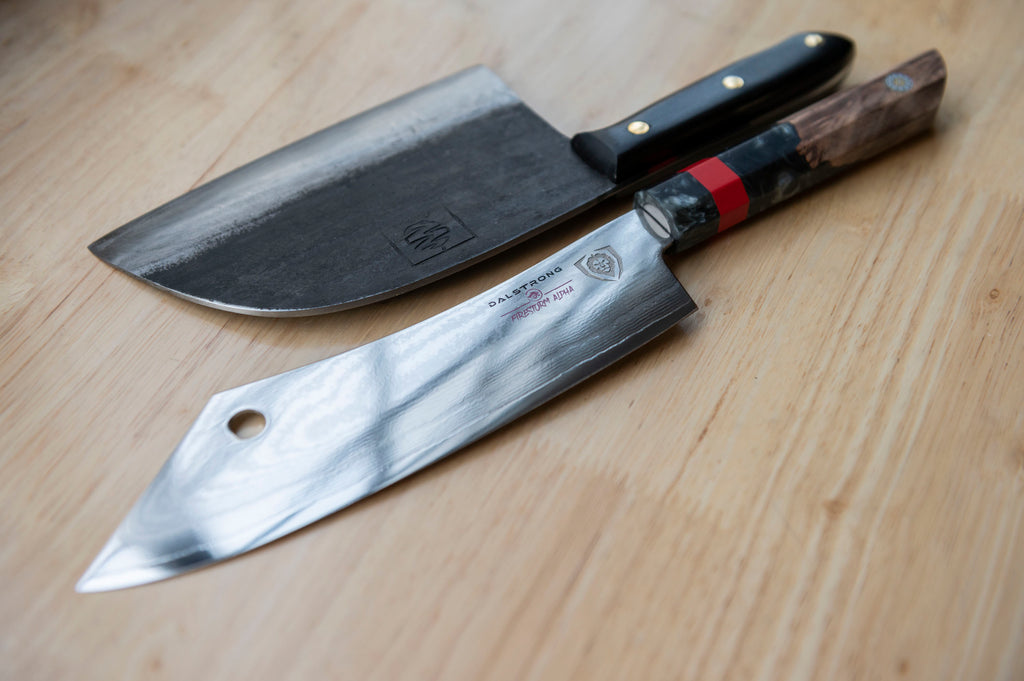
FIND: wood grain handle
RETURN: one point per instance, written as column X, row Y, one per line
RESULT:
column 795, row 154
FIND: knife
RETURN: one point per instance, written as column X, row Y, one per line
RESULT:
column 343, row 428
column 436, row 180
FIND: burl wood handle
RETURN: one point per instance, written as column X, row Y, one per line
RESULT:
column 795, row 154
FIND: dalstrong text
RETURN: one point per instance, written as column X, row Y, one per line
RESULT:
column 525, row 286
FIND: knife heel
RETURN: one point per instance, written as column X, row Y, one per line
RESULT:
column 796, row 153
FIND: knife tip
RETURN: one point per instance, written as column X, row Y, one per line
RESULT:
column 97, row 575
column 87, row 584
column 118, row 566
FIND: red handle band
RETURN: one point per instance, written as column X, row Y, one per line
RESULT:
column 726, row 189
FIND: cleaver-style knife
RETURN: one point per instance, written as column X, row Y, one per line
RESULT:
column 431, row 182
column 341, row 429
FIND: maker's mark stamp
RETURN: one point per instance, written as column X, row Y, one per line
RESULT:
column 436, row 233
column 604, row 264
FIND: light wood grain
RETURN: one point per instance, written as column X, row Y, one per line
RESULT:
column 818, row 476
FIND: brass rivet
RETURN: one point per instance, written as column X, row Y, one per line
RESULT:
column 732, row 82
column 638, row 127
column 813, row 39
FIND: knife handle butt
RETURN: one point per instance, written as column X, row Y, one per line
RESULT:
column 727, row 106
column 797, row 153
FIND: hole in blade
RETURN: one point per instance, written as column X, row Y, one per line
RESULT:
column 247, row 424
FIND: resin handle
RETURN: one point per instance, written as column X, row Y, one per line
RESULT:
column 795, row 154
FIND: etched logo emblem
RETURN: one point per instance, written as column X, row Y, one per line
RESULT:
column 604, row 264
column 436, row 233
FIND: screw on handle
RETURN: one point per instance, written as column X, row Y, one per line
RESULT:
column 797, row 153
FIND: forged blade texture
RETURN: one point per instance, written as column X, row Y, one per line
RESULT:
column 369, row 208
column 348, row 426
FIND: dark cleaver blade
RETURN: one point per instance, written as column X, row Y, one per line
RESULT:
column 435, row 180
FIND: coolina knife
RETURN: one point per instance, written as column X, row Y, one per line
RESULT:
column 419, row 187
column 343, row 428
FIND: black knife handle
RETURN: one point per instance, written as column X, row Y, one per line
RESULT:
column 732, row 104
column 796, row 153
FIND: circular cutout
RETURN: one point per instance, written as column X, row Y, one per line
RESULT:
column 247, row 424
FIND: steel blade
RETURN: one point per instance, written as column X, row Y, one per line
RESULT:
column 346, row 427
column 375, row 205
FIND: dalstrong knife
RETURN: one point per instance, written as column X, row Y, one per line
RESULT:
column 346, row 427
column 433, row 181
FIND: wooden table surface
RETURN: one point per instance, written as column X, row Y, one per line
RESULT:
column 820, row 475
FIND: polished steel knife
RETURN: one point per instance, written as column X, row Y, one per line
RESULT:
column 436, row 180
column 343, row 428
